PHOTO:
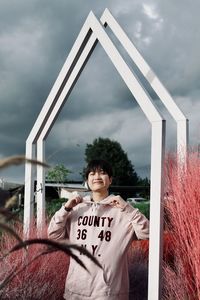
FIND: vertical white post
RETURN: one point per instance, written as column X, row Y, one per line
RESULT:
column 156, row 211
column 40, row 188
column 182, row 141
column 29, row 190
column 19, row 200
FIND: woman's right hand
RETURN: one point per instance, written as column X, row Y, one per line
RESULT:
column 73, row 201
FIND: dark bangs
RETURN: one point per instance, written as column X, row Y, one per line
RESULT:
column 98, row 164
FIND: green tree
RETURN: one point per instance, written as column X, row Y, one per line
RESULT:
column 123, row 170
column 58, row 174
column 144, row 182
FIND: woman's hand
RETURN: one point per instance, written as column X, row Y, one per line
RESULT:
column 117, row 201
column 73, row 201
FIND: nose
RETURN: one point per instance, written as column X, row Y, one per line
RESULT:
column 96, row 175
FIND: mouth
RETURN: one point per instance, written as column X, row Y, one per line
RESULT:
column 98, row 181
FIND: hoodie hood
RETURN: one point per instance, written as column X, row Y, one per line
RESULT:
column 105, row 201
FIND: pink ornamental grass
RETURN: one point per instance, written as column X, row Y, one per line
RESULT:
column 44, row 278
column 182, row 277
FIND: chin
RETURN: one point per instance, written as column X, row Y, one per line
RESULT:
column 97, row 190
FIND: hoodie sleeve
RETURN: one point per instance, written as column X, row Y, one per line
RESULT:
column 139, row 222
column 57, row 228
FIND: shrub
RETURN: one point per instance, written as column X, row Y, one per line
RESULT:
column 54, row 205
column 42, row 279
column 138, row 270
column 182, row 277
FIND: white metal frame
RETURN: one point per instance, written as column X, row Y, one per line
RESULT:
column 91, row 33
column 155, row 250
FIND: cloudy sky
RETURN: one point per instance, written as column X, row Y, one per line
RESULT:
column 35, row 39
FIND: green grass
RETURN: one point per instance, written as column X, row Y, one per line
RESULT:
column 54, row 205
column 143, row 207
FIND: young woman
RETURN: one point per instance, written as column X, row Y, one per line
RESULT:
column 105, row 225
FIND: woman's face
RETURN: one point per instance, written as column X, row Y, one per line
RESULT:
column 99, row 180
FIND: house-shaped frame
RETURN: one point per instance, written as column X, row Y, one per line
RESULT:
column 91, row 33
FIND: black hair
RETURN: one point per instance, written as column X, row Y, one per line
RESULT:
column 98, row 164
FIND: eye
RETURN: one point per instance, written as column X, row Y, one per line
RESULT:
column 103, row 172
column 91, row 173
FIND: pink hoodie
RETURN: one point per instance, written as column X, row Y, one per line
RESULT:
column 107, row 233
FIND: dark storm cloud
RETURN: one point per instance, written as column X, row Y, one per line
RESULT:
column 35, row 39
column 177, row 40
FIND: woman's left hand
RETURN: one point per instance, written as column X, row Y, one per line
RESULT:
column 117, row 201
